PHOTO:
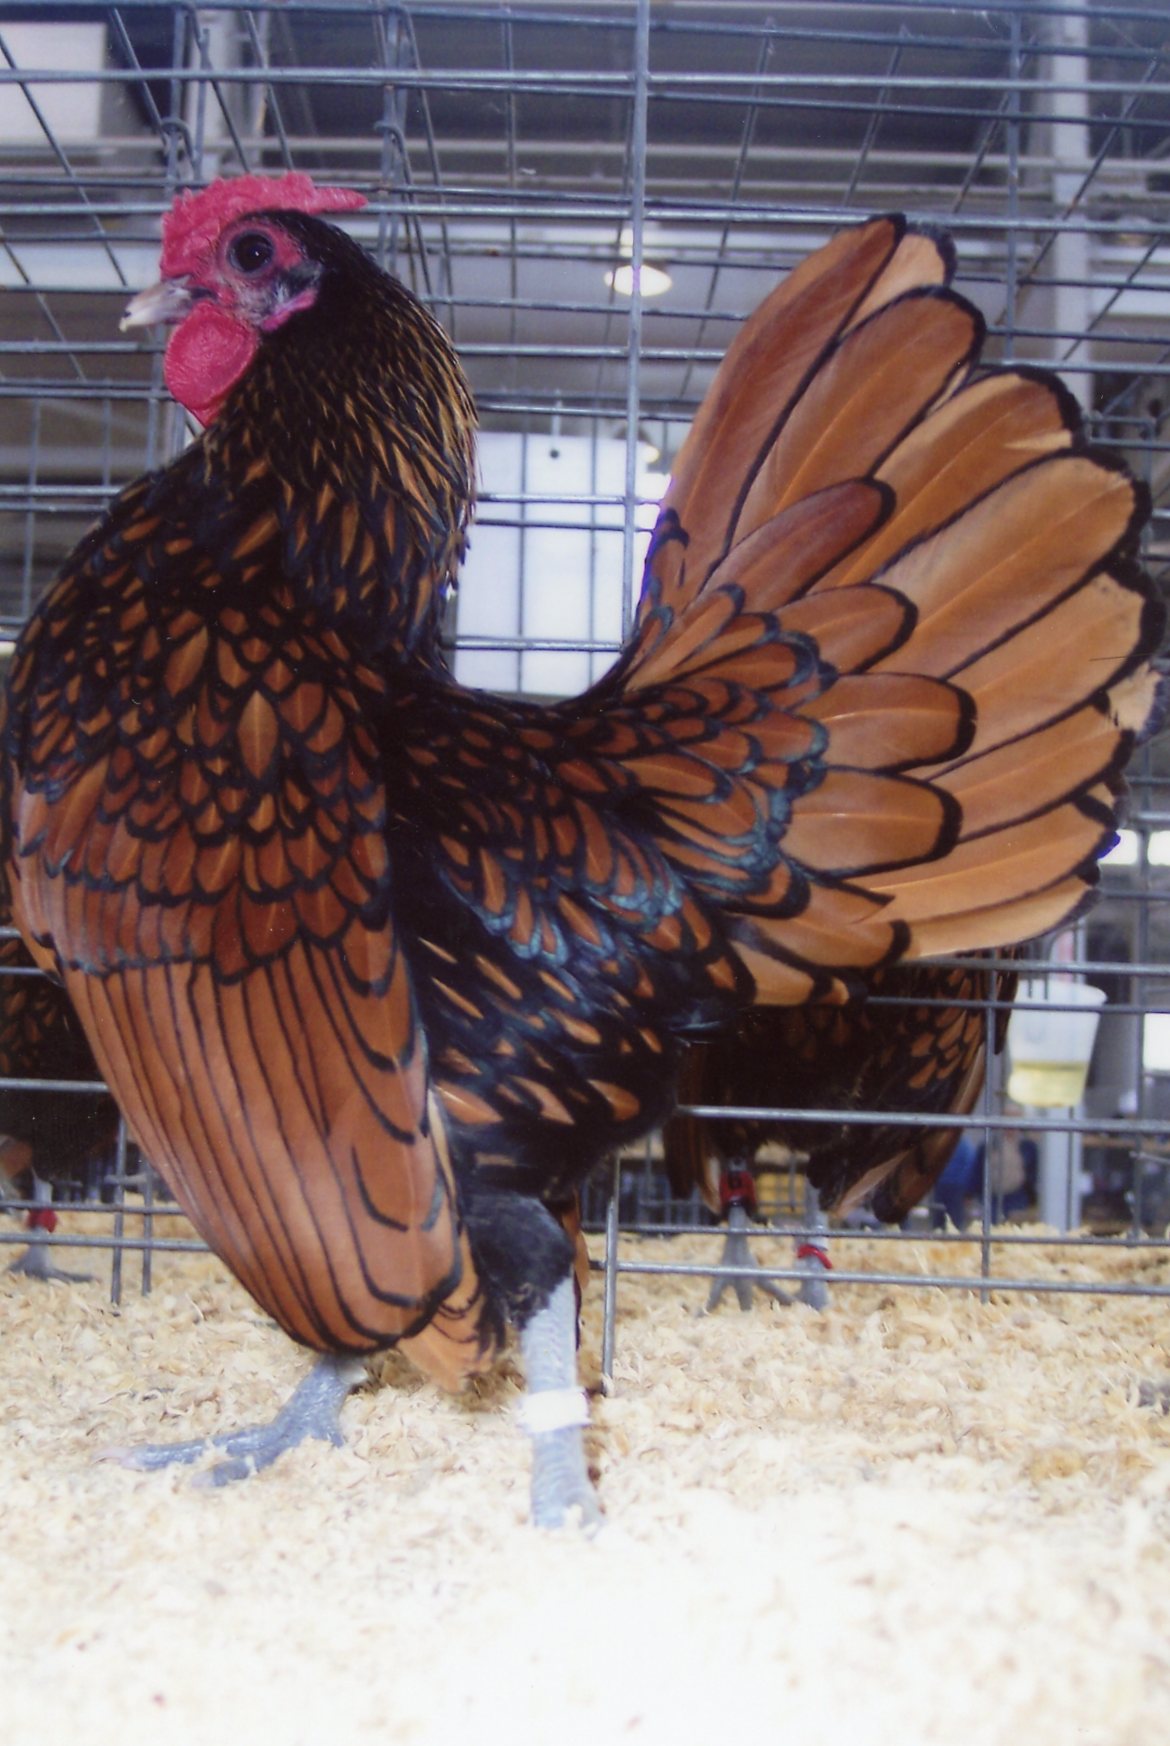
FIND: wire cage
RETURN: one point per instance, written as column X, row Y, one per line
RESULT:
column 590, row 198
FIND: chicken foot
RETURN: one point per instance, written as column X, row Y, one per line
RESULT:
column 811, row 1260
column 313, row 1410
column 35, row 1261
column 554, row 1412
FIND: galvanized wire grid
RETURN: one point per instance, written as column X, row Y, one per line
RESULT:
column 514, row 156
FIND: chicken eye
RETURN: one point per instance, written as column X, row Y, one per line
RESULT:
column 251, row 252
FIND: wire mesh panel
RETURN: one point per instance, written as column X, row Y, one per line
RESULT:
column 590, row 199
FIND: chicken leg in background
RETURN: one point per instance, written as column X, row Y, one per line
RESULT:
column 378, row 967
column 914, row 1043
column 737, row 1270
column 50, row 1142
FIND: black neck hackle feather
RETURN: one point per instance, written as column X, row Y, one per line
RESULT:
column 356, row 432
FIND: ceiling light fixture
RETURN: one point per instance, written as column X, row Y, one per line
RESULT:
column 652, row 280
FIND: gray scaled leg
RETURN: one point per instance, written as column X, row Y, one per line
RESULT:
column 812, row 1256
column 313, row 1410
column 35, row 1260
column 554, row 1412
column 737, row 1254
column 739, row 1196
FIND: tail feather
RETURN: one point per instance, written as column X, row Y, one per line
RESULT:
column 767, row 367
column 1099, row 631
column 1027, row 858
column 858, row 406
column 888, row 721
column 931, row 572
column 775, row 565
column 856, row 821
column 989, row 429
column 860, row 624
column 1008, row 558
column 1031, row 775
column 921, row 257
column 1002, row 924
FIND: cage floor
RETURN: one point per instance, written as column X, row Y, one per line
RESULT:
column 916, row 1519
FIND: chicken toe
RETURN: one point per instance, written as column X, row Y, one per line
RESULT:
column 35, row 1264
column 42, row 1221
column 313, row 1410
column 739, row 1269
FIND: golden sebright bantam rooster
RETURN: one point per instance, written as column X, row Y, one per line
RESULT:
column 378, row 967
column 915, row 1044
column 51, row 1141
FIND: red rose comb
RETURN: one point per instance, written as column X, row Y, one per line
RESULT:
column 195, row 220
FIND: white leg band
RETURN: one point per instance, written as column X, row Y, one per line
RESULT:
column 552, row 1409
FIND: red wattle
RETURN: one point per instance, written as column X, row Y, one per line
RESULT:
column 206, row 356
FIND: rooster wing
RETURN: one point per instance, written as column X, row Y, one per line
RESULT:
column 214, row 890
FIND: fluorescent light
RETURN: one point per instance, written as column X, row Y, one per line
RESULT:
column 652, row 281
column 1124, row 852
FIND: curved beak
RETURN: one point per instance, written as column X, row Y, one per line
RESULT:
column 168, row 301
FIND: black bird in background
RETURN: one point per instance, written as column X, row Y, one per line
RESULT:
column 914, row 1044
column 53, row 1145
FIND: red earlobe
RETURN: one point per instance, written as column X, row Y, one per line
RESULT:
column 206, row 356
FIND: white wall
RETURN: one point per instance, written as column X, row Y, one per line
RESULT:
column 548, row 570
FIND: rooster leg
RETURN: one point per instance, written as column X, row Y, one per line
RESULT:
column 811, row 1258
column 736, row 1254
column 35, row 1261
column 312, row 1411
column 554, row 1412
column 811, row 1255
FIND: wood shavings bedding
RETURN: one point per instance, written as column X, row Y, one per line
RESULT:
column 915, row 1518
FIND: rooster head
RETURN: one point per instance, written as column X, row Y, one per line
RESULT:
column 231, row 273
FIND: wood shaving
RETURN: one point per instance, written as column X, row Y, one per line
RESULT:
column 916, row 1518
